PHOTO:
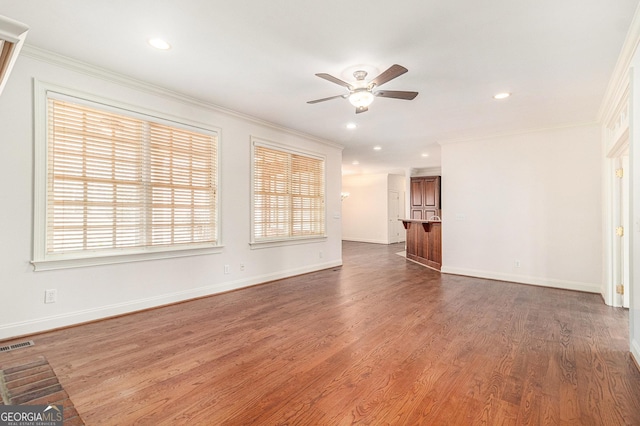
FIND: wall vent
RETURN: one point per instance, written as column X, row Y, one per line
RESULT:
column 16, row 346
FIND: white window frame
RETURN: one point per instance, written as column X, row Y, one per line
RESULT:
column 284, row 241
column 41, row 259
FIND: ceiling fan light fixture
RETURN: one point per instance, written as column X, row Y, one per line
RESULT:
column 361, row 93
column 361, row 98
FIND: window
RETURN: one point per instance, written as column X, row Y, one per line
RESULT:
column 123, row 183
column 288, row 194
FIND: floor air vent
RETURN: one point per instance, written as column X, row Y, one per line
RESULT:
column 16, row 346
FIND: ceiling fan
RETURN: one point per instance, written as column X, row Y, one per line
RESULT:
column 361, row 93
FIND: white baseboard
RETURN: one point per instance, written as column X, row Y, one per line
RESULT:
column 523, row 279
column 365, row 240
column 8, row 331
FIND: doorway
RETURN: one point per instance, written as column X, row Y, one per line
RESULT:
column 620, row 225
column 396, row 230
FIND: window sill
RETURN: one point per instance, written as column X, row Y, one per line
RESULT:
column 255, row 245
column 110, row 259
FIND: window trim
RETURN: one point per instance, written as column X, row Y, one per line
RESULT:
column 41, row 260
column 285, row 241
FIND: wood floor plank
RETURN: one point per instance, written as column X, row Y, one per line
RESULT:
column 379, row 340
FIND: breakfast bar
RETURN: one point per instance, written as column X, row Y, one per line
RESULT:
column 424, row 241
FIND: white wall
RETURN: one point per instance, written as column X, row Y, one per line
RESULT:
column 535, row 198
column 365, row 213
column 95, row 292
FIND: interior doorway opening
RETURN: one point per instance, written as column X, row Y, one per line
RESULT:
column 396, row 205
column 620, row 225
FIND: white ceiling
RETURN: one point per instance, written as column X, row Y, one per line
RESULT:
column 260, row 57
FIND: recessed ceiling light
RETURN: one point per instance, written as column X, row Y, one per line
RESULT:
column 158, row 43
column 377, row 148
column 351, row 126
column 355, row 163
column 503, row 95
column 425, row 155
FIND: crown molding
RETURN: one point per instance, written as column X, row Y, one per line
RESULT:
column 426, row 171
column 143, row 86
column 518, row 133
column 620, row 78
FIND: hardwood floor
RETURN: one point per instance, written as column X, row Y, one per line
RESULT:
column 378, row 341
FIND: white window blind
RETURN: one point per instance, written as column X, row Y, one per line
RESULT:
column 115, row 181
column 288, row 195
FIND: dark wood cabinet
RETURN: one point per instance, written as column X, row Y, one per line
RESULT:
column 425, row 197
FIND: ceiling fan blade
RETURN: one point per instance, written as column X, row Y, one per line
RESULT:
column 397, row 94
column 326, row 99
column 393, row 72
column 361, row 109
column 333, row 79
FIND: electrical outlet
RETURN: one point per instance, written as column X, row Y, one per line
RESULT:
column 50, row 296
column 227, row 269
column 320, row 255
column 242, row 266
column 516, row 263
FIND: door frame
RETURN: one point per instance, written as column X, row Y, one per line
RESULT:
column 395, row 198
column 618, row 212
